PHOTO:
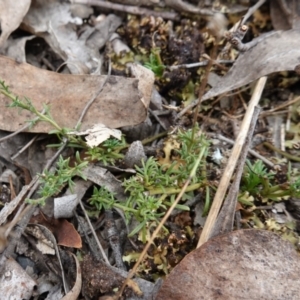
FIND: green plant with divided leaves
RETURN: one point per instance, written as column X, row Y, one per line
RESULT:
column 151, row 191
column 52, row 182
column 108, row 152
column 260, row 183
column 155, row 63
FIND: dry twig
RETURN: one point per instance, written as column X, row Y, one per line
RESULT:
column 94, row 234
column 225, row 218
column 224, row 182
column 134, row 10
column 183, row 6
column 200, row 64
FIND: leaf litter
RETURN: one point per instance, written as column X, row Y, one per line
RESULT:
column 67, row 95
column 114, row 211
column 278, row 52
column 9, row 24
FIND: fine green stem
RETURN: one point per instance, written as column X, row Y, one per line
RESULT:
column 283, row 153
column 169, row 191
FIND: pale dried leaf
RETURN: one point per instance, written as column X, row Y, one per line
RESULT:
column 9, row 175
column 43, row 243
column 11, row 16
column 284, row 20
column 75, row 291
column 119, row 104
column 277, row 52
column 44, row 248
column 64, row 206
column 15, row 48
column 44, row 13
column 15, row 283
column 96, row 37
column 81, row 10
column 98, row 134
column 52, row 20
column 135, row 155
column 118, row 44
column 145, row 76
column 244, row 264
column 106, row 179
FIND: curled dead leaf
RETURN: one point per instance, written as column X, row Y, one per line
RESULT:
column 75, row 291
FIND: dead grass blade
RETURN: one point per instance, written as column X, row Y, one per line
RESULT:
column 224, row 182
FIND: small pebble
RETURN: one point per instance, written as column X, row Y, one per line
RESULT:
column 135, row 155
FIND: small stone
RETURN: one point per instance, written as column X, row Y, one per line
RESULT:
column 135, row 155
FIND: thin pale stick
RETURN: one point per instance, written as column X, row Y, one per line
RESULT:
column 283, row 105
column 251, row 10
column 134, row 10
column 283, row 153
column 224, row 182
column 94, row 233
column 21, row 129
column 24, row 147
column 95, row 96
column 225, row 220
column 201, row 64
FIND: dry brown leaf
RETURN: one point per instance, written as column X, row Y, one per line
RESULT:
column 120, row 103
column 64, row 231
column 66, row 234
column 244, row 264
column 11, row 16
column 277, row 52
